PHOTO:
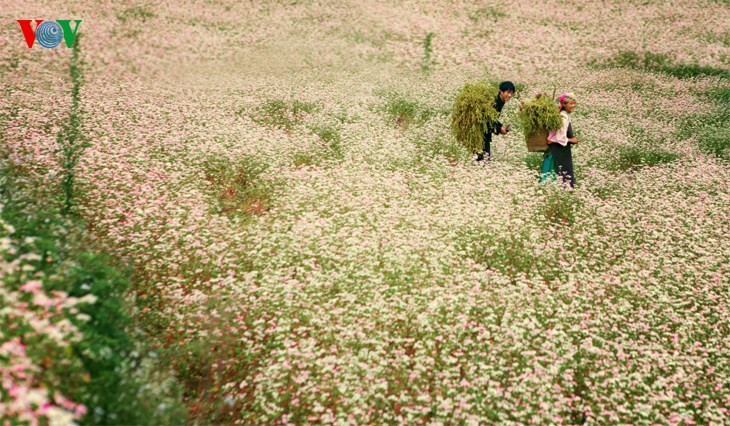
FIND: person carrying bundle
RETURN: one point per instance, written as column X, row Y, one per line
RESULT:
column 560, row 141
column 506, row 91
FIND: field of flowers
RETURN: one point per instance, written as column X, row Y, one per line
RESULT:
column 306, row 243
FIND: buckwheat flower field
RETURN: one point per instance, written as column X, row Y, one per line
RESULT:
column 255, row 213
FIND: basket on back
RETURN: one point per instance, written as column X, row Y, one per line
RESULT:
column 473, row 113
column 537, row 118
column 537, row 142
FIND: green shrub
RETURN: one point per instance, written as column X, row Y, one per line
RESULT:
column 330, row 136
column 103, row 371
column 473, row 111
column 107, row 351
column 539, row 114
column 711, row 129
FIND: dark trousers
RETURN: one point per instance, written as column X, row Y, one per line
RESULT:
column 487, row 144
column 563, row 160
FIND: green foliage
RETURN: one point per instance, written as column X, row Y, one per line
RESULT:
column 104, row 370
column 136, row 13
column 404, row 111
column 721, row 95
column 636, row 157
column 473, row 112
column 70, row 140
column 539, row 114
column 711, row 129
column 716, row 141
column 281, row 114
column 331, row 148
column 491, row 13
column 533, row 161
column 659, row 62
column 722, row 38
column 237, row 185
column 299, row 107
column 427, row 50
column 107, row 351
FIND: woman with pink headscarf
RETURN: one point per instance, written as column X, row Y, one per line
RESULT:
column 561, row 140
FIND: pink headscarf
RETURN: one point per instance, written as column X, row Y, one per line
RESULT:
column 569, row 96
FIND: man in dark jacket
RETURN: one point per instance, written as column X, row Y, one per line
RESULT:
column 506, row 91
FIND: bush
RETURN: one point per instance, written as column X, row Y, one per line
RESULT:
column 141, row 13
column 95, row 370
column 472, row 114
column 486, row 13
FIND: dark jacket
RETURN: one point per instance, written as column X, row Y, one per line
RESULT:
column 493, row 128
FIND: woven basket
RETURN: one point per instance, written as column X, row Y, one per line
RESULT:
column 537, row 142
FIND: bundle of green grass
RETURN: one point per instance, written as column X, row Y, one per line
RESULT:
column 473, row 112
column 538, row 117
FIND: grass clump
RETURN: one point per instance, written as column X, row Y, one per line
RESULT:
column 486, row 13
column 427, row 50
column 514, row 254
column 140, row 13
column 237, row 186
column 538, row 115
column 659, row 62
column 330, row 147
column 282, row 114
column 107, row 368
column 404, row 111
column 711, row 129
column 636, row 157
column 716, row 141
column 473, row 111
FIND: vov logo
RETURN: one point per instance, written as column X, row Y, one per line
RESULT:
column 49, row 33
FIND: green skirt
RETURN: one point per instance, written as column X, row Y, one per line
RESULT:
column 547, row 171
